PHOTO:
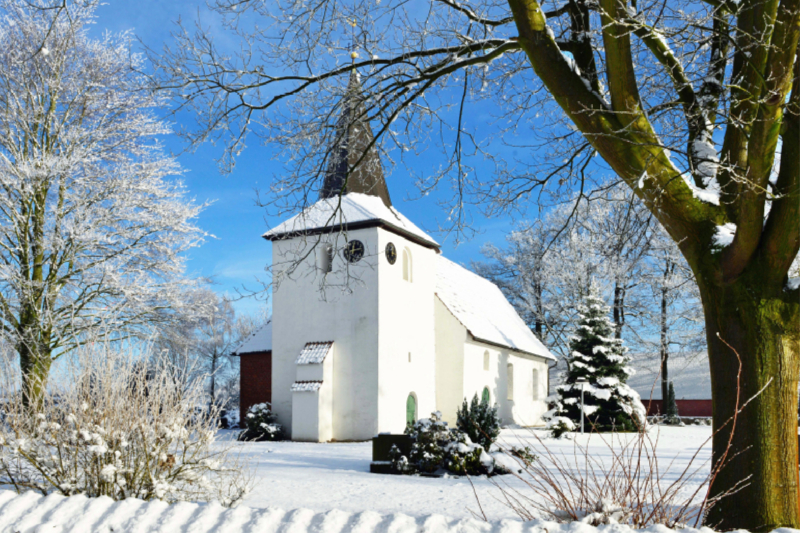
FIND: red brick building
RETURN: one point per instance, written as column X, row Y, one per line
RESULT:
column 255, row 369
column 690, row 377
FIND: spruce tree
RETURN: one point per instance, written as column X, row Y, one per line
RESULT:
column 600, row 359
column 671, row 407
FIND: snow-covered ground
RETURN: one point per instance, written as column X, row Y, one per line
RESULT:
column 321, row 477
column 327, row 488
column 32, row 513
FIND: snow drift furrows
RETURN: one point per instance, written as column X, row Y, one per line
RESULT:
column 31, row 512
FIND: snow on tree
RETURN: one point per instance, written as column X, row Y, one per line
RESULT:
column 601, row 359
column 605, row 239
column 200, row 337
column 92, row 221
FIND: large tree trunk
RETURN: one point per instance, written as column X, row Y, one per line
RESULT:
column 35, row 368
column 761, row 325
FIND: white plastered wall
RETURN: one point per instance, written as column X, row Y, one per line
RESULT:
column 450, row 339
column 312, row 412
column 523, row 410
column 406, row 327
column 346, row 315
column 460, row 374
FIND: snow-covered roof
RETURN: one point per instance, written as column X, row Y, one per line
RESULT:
column 306, row 386
column 690, row 375
column 259, row 341
column 482, row 308
column 356, row 209
column 314, row 353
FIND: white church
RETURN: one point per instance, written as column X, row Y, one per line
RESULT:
column 372, row 326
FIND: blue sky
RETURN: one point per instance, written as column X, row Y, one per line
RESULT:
column 237, row 255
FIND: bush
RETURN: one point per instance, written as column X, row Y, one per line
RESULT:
column 120, row 430
column 559, row 426
column 438, row 449
column 479, row 421
column 260, row 424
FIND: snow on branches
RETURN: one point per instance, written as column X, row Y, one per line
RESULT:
column 601, row 360
column 93, row 222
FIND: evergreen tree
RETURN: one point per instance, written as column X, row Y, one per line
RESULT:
column 600, row 359
column 479, row 421
column 671, row 406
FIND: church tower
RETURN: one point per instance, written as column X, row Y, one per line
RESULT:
column 353, row 349
column 352, row 139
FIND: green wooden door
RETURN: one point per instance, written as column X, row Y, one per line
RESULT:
column 411, row 409
column 485, row 395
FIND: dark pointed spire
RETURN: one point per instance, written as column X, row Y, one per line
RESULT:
column 353, row 135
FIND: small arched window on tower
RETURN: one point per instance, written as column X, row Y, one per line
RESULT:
column 486, row 360
column 407, row 265
column 510, row 370
column 325, row 257
column 535, row 382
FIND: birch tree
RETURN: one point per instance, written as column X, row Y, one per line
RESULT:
column 92, row 221
column 685, row 102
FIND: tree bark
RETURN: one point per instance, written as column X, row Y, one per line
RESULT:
column 35, row 368
column 753, row 340
column 664, row 341
column 619, row 310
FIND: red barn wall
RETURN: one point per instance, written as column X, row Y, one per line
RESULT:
column 685, row 407
column 255, row 380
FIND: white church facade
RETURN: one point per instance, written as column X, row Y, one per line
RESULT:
column 371, row 326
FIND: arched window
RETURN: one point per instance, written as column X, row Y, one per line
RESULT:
column 485, row 396
column 535, row 382
column 510, row 387
column 325, row 257
column 411, row 409
column 486, row 360
column 407, row 265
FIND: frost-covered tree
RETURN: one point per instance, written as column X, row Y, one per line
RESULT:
column 92, row 221
column 600, row 359
column 200, row 337
column 671, row 308
column 604, row 238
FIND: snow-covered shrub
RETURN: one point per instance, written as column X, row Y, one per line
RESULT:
column 465, row 458
column 559, row 426
column 601, row 361
column 260, row 424
column 479, row 421
column 438, row 448
column 119, row 429
column 431, row 436
column 400, row 462
column 523, row 453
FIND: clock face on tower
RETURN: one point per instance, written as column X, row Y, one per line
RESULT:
column 354, row 251
column 391, row 253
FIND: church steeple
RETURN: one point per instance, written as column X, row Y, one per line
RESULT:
column 352, row 137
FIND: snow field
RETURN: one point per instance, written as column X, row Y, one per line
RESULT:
column 327, row 488
column 336, row 475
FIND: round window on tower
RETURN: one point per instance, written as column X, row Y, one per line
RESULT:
column 391, row 253
column 354, row 251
